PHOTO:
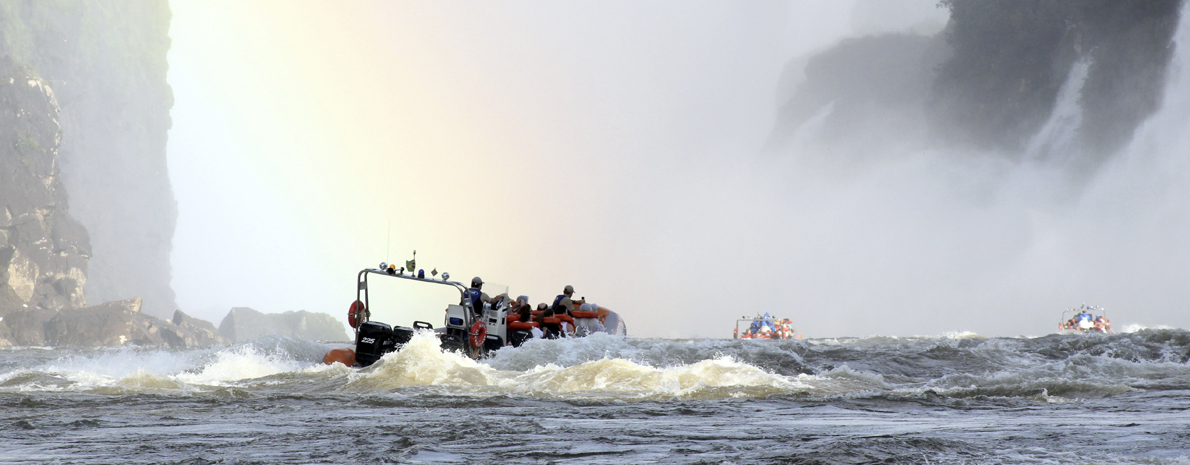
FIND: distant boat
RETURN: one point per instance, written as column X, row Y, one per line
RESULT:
column 1085, row 318
column 765, row 327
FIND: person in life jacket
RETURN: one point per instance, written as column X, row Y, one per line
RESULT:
column 549, row 330
column 520, row 310
column 767, row 324
column 562, row 303
column 476, row 295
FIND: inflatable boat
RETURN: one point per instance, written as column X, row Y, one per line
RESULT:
column 765, row 327
column 467, row 328
column 1085, row 318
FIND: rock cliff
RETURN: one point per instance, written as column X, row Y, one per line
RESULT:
column 43, row 250
column 106, row 63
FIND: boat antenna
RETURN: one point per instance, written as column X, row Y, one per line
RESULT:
column 388, row 245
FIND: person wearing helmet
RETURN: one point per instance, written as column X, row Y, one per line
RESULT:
column 563, row 303
column 476, row 295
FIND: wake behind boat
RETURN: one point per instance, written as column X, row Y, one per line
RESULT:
column 472, row 326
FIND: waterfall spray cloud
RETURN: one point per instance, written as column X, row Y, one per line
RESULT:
column 541, row 144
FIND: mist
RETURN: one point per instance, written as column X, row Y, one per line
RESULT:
column 627, row 149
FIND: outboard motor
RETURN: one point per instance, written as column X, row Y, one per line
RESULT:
column 376, row 339
column 517, row 337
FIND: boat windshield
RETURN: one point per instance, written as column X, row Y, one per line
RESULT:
column 494, row 289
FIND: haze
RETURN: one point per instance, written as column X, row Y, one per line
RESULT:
column 618, row 147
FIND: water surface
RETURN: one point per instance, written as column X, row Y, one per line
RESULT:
column 1120, row 398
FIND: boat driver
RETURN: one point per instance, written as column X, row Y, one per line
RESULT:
column 562, row 303
column 476, row 295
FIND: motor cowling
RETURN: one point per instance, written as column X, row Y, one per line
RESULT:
column 516, row 337
column 376, row 339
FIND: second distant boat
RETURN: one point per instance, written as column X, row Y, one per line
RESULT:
column 766, row 327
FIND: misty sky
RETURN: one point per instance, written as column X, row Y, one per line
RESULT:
column 616, row 146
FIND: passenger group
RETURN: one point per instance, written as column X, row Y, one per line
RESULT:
column 551, row 320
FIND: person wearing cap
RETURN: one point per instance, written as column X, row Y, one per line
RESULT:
column 562, row 303
column 476, row 294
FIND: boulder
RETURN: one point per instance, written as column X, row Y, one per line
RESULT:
column 109, row 324
column 243, row 324
column 204, row 332
column 23, row 327
column 121, row 323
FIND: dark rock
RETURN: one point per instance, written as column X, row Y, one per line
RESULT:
column 23, row 327
column 204, row 332
column 43, row 250
column 122, row 323
column 110, row 324
column 107, row 62
column 243, row 324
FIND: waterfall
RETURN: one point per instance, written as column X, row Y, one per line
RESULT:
column 1164, row 136
column 1056, row 141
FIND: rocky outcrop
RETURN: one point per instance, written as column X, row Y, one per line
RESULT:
column 43, row 250
column 109, row 324
column 106, row 60
column 203, row 332
column 122, row 323
column 243, row 324
column 24, row 327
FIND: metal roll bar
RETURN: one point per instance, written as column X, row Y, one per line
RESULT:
column 361, row 289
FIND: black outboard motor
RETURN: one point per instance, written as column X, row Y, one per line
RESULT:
column 493, row 343
column 519, row 336
column 376, row 339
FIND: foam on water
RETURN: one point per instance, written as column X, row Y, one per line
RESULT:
column 943, row 399
column 237, row 364
column 421, row 362
column 1134, row 327
column 563, row 369
column 963, row 335
column 134, row 370
column 602, row 368
column 622, row 379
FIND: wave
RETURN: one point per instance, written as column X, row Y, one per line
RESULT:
column 1134, row 327
column 605, row 368
column 581, row 368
